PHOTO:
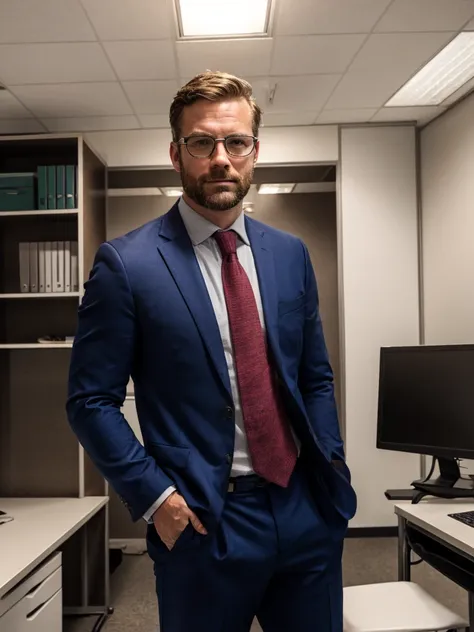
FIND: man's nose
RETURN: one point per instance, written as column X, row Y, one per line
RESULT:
column 220, row 156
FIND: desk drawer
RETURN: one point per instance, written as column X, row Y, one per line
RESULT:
column 35, row 588
column 46, row 617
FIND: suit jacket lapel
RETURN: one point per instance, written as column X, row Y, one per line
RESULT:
column 177, row 250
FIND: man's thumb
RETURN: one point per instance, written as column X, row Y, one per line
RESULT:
column 194, row 520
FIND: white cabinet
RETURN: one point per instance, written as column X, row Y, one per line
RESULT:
column 35, row 604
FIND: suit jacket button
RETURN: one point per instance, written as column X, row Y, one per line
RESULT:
column 229, row 412
column 228, row 458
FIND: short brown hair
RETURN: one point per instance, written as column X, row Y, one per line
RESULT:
column 213, row 86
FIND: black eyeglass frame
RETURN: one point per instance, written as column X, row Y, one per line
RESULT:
column 184, row 141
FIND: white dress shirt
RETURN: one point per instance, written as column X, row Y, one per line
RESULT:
column 209, row 257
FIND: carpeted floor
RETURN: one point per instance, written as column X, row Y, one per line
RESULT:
column 366, row 560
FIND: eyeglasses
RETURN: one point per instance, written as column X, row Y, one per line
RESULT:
column 203, row 146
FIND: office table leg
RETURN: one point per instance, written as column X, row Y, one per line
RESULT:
column 403, row 552
column 92, row 555
column 471, row 611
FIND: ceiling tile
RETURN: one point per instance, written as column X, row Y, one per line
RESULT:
column 22, row 64
column 74, row 99
column 276, row 119
column 24, row 21
column 305, row 94
column 399, row 55
column 363, row 90
column 11, row 108
column 142, row 60
column 154, row 120
column 419, row 114
column 313, row 54
column 361, row 115
column 426, row 15
column 151, row 97
column 91, row 123
column 130, row 19
column 260, row 89
column 20, row 126
column 250, row 57
column 297, row 17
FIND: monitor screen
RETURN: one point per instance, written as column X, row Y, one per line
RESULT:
column 426, row 400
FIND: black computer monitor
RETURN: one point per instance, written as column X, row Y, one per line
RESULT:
column 426, row 406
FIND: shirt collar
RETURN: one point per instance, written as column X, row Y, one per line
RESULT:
column 199, row 228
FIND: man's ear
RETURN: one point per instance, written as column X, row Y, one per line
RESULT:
column 257, row 151
column 174, row 155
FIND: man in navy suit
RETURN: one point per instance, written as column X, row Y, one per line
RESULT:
column 242, row 477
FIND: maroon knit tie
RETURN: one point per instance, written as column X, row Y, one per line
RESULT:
column 272, row 447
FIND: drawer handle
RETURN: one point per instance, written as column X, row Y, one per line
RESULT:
column 31, row 615
column 35, row 589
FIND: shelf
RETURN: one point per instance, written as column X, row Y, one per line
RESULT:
column 36, row 212
column 37, row 345
column 41, row 295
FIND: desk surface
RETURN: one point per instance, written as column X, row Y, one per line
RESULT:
column 432, row 515
column 39, row 527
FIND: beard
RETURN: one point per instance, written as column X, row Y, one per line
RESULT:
column 223, row 197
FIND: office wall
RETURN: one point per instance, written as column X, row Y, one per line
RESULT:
column 447, row 194
column 279, row 146
column 378, row 236
column 309, row 216
column 447, row 189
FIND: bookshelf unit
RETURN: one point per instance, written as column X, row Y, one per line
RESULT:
column 40, row 457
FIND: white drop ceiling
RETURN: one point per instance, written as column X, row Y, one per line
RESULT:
column 84, row 65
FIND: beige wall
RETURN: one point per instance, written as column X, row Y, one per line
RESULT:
column 447, row 190
column 378, row 232
column 146, row 148
column 311, row 217
column 447, row 194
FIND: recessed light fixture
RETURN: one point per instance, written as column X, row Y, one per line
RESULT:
column 315, row 187
column 248, row 207
column 214, row 18
column 268, row 189
column 442, row 76
column 172, row 191
column 134, row 192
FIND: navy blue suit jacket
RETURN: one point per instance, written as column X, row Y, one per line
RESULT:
column 146, row 313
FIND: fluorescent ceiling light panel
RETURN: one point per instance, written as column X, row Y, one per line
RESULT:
column 172, row 191
column 441, row 77
column 218, row 18
column 268, row 189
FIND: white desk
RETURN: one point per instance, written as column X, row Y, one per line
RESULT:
column 40, row 527
column 430, row 517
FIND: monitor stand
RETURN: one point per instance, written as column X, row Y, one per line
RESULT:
column 448, row 485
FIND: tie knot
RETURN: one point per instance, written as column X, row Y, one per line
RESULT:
column 227, row 242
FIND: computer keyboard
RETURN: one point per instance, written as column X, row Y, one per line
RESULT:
column 467, row 517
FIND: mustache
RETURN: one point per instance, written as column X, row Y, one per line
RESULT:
column 220, row 175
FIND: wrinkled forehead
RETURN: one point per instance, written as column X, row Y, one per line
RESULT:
column 217, row 118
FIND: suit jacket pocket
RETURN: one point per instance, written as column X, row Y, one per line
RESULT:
column 169, row 456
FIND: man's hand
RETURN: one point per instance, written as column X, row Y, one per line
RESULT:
column 172, row 517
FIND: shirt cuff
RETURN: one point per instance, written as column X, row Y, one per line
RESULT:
column 148, row 516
